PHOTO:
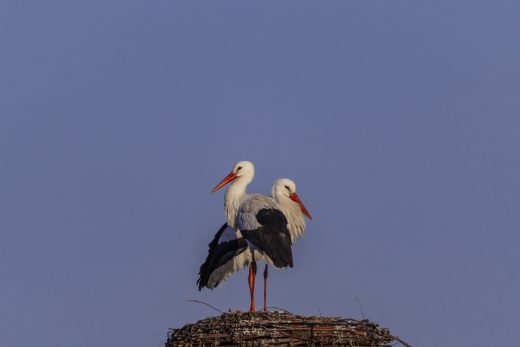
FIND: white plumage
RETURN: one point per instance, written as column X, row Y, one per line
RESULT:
column 281, row 192
column 261, row 231
column 293, row 210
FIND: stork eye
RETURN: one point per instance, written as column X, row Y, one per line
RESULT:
column 287, row 187
column 238, row 168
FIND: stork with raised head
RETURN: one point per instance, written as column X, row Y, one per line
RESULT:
column 229, row 251
column 257, row 218
column 226, row 253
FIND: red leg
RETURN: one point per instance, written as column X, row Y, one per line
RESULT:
column 251, row 280
column 265, row 288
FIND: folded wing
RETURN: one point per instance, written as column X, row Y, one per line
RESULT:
column 264, row 226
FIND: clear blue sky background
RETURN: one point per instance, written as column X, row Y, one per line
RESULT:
column 398, row 120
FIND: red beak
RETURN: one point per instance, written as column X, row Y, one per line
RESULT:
column 225, row 181
column 294, row 197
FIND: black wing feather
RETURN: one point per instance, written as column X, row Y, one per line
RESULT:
column 218, row 255
column 272, row 237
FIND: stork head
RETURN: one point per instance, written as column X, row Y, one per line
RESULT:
column 285, row 188
column 241, row 169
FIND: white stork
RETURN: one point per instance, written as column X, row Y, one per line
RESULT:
column 260, row 221
column 229, row 251
column 226, row 254
column 284, row 193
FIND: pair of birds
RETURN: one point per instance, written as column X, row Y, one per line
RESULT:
column 258, row 227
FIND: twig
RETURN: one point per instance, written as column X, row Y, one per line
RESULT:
column 361, row 308
column 205, row 303
column 404, row 343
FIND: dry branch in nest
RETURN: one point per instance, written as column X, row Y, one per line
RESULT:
column 279, row 329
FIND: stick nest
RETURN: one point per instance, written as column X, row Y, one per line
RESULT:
column 280, row 329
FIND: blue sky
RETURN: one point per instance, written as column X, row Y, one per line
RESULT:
column 398, row 120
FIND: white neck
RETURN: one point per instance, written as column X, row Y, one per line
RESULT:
column 294, row 215
column 235, row 194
